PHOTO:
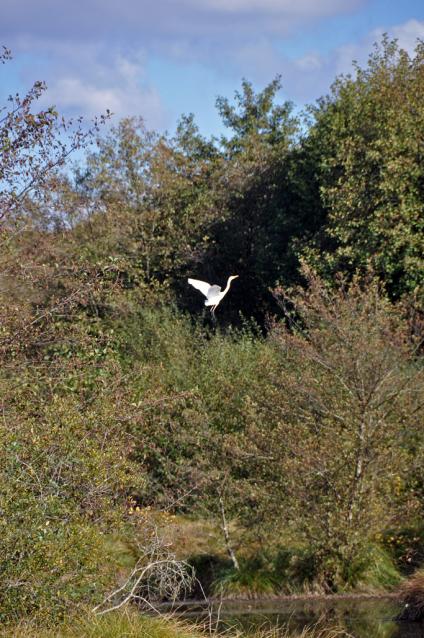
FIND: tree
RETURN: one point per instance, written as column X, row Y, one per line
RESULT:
column 150, row 201
column 335, row 434
column 256, row 117
column 33, row 145
column 257, row 198
column 369, row 134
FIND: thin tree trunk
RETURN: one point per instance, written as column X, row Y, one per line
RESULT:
column 357, row 480
column 230, row 550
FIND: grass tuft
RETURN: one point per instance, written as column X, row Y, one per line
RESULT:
column 254, row 579
column 127, row 623
column 132, row 624
column 412, row 594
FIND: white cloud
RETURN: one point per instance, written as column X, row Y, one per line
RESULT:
column 408, row 33
column 94, row 53
column 163, row 21
column 260, row 57
column 309, row 62
column 311, row 74
column 73, row 93
column 235, row 37
column 304, row 8
column 94, row 79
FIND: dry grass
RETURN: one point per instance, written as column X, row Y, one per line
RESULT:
column 130, row 624
column 411, row 593
column 308, row 632
column 190, row 537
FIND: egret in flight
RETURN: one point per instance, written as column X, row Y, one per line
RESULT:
column 213, row 294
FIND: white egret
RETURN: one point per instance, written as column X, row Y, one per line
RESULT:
column 213, row 294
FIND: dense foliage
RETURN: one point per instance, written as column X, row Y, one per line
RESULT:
column 295, row 423
column 370, row 134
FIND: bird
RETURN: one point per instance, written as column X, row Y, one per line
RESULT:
column 213, row 294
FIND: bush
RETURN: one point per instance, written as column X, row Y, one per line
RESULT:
column 406, row 545
column 64, row 480
column 330, row 439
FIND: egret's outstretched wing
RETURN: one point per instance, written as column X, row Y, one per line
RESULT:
column 203, row 286
column 213, row 292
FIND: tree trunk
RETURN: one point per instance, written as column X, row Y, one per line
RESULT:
column 230, row 550
column 359, row 464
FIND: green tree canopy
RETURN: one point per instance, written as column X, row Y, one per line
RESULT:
column 369, row 137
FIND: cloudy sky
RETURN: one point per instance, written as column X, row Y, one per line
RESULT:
column 161, row 58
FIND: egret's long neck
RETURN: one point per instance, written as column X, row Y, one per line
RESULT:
column 227, row 287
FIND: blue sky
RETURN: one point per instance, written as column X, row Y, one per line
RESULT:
column 161, row 58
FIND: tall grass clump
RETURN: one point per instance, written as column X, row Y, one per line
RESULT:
column 308, row 632
column 411, row 594
column 255, row 578
column 130, row 624
column 376, row 571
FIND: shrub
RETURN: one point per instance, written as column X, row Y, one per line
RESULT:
column 335, row 429
column 64, row 480
column 411, row 594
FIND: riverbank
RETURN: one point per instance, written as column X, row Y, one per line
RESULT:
column 126, row 623
column 189, row 605
column 294, row 616
column 130, row 624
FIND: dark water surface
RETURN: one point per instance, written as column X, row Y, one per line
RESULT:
column 361, row 617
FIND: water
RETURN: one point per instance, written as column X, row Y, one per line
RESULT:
column 361, row 617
